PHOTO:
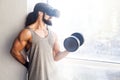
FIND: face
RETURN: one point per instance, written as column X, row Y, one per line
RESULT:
column 47, row 19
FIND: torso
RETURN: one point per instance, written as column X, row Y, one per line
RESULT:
column 42, row 33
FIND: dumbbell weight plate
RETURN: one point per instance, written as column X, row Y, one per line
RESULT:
column 71, row 44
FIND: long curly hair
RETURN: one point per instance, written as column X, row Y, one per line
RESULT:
column 31, row 18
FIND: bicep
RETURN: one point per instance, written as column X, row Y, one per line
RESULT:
column 20, row 42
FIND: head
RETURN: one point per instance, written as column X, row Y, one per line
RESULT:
column 48, row 12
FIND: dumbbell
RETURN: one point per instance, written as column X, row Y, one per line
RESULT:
column 73, row 42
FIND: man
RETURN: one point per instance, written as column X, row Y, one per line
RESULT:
column 40, row 43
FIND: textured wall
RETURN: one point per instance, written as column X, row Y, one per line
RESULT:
column 12, row 15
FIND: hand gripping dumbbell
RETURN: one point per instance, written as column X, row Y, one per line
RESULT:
column 73, row 42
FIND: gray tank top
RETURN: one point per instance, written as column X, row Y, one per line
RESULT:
column 42, row 65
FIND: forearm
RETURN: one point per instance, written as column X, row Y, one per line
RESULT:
column 60, row 55
column 19, row 57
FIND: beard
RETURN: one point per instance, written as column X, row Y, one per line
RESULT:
column 48, row 22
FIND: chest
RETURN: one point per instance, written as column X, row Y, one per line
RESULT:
column 42, row 33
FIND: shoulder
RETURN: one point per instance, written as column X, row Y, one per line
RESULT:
column 53, row 33
column 24, row 34
column 55, row 37
column 25, row 31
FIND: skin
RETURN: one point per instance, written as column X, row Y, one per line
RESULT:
column 24, row 40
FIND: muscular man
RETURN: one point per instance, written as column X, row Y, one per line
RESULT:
column 40, row 43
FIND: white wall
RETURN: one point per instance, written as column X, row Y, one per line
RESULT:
column 12, row 16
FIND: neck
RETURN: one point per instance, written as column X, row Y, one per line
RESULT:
column 40, row 24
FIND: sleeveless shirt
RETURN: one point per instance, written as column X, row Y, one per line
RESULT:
column 41, row 62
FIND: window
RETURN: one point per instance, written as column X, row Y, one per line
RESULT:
column 97, row 20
